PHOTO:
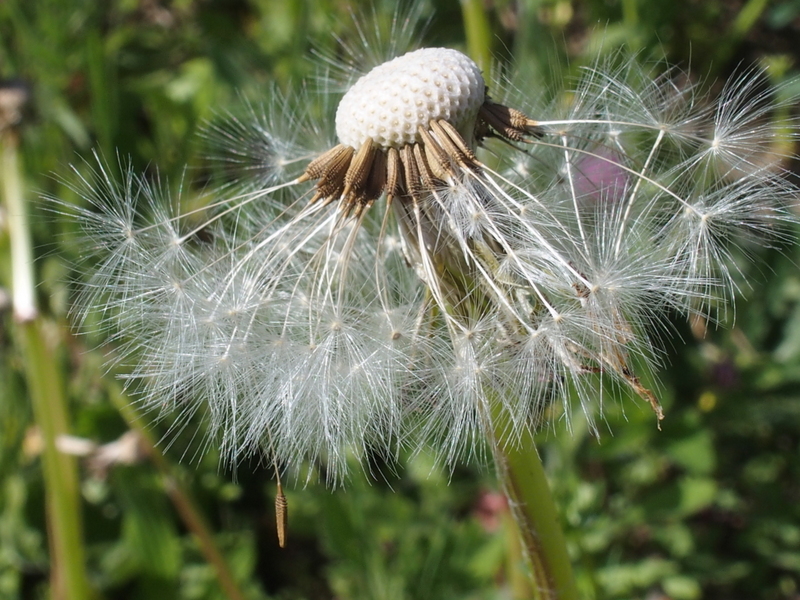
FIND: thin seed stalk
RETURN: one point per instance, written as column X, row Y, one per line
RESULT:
column 521, row 473
column 46, row 390
column 182, row 500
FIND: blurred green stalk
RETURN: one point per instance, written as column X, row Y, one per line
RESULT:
column 46, row 390
column 478, row 33
column 186, row 507
column 748, row 16
column 630, row 13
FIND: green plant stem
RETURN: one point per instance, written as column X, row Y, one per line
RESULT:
column 522, row 475
column 46, row 390
column 478, row 33
column 747, row 17
column 630, row 13
column 517, row 574
column 742, row 24
column 22, row 280
column 187, row 509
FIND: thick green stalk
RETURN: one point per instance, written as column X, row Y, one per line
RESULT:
column 46, row 391
column 22, row 280
column 522, row 475
column 478, row 33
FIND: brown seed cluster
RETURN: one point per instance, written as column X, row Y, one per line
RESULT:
column 357, row 177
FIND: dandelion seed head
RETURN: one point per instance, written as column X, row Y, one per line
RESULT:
column 425, row 291
column 391, row 102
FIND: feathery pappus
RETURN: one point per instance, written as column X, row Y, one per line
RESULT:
column 456, row 260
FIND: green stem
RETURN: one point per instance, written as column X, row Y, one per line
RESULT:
column 22, row 280
column 47, row 393
column 478, row 33
column 187, row 509
column 46, row 390
column 742, row 24
column 630, row 14
column 747, row 17
column 522, row 475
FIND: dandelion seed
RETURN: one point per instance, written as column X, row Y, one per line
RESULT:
column 281, row 511
column 402, row 287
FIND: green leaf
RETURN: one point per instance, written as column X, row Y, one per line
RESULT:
column 696, row 493
column 694, row 453
column 679, row 587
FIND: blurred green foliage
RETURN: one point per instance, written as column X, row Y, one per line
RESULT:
column 707, row 508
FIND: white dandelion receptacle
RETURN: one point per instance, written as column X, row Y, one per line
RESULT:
column 389, row 104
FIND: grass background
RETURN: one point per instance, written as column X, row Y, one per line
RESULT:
column 707, row 508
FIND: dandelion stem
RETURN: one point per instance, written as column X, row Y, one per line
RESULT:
column 522, row 475
column 46, row 391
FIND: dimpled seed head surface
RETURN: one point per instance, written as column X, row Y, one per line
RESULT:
column 390, row 102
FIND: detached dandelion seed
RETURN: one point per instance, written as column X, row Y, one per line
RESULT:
column 400, row 288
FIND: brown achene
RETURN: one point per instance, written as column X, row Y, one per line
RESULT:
column 358, row 177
